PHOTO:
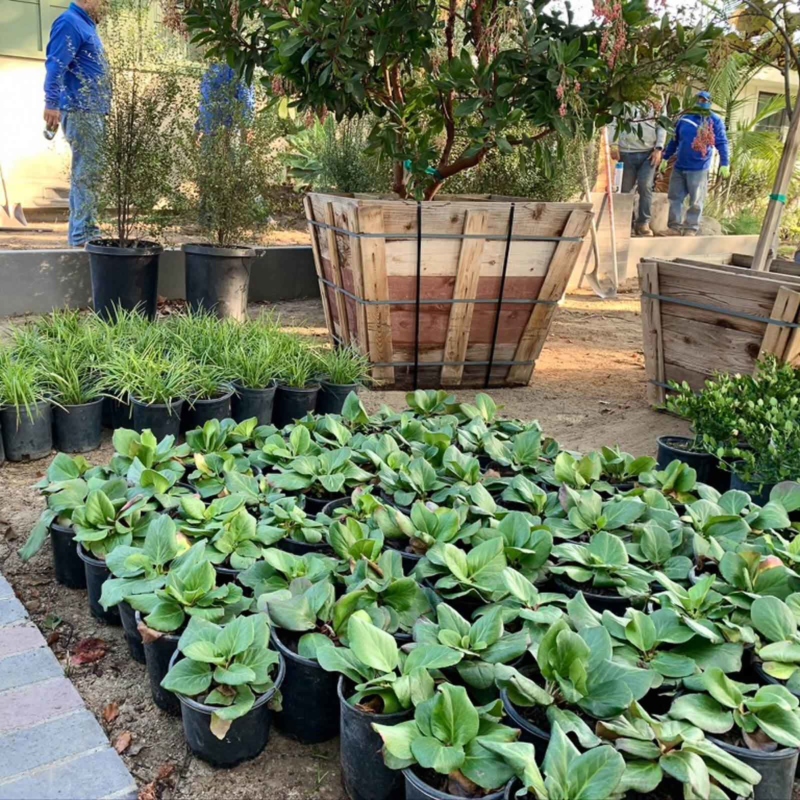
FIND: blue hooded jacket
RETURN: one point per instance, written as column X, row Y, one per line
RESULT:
column 686, row 130
column 76, row 66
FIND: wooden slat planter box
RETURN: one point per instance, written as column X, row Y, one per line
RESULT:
column 700, row 318
column 374, row 262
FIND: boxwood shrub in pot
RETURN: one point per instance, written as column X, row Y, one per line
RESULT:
column 228, row 682
column 25, row 410
column 344, row 370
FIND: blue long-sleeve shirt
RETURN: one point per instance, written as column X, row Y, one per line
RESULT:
column 75, row 66
column 686, row 130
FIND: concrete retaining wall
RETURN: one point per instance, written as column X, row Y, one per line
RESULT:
column 37, row 281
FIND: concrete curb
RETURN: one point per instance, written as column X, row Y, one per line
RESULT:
column 52, row 746
column 37, row 281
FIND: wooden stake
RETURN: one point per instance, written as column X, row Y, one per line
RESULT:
column 768, row 240
column 776, row 337
column 323, row 289
column 652, row 341
column 333, row 255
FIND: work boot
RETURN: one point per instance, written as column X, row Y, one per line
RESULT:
column 690, row 232
column 671, row 232
column 644, row 229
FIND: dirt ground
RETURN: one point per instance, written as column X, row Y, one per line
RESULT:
column 588, row 390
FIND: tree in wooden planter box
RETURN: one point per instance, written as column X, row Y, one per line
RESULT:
column 449, row 82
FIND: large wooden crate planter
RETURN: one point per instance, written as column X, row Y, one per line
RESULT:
column 700, row 318
column 452, row 292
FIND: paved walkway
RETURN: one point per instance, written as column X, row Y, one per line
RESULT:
column 51, row 746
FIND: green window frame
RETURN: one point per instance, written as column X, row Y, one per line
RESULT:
column 26, row 26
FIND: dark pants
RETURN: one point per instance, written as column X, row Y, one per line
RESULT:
column 639, row 173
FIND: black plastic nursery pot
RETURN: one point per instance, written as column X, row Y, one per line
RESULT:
column 292, row 404
column 116, row 414
column 705, row 464
column 764, row 679
column 303, row 548
column 364, row 774
column 410, row 560
column 248, row 403
column 78, row 429
column 124, row 277
column 759, row 492
column 157, row 655
column 226, row 574
column 69, row 568
column 316, row 505
column 2, row 448
column 218, row 279
column 331, row 397
column 599, row 602
column 417, row 789
column 198, row 412
column 247, row 736
column 310, row 711
column 777, row 769
column 162, row 419
column 27, row 437
column 96, row 575
column 530, row 733
column 132, row 636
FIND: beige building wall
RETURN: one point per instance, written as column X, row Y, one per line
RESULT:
column 35, row 170
column 769, row 80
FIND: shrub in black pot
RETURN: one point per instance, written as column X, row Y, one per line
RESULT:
column 218, row 278
column 226, row 724
column 344, row 370
column 25, row 411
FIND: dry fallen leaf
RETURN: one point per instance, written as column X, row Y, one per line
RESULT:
column 88, row 651
column 165, row 772
column 110, row 712
column 148, row 634
column 149, row 791
column 153, row 790
column 123, row 742
column 53, row 638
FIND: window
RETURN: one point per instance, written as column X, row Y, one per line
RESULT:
column 26, row 26
column 775, row 121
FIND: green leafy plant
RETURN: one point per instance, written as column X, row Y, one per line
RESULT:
column 386, row 679
column 603, row 564
column 525, row 493
column 329, row 474
column 425, row 526
column 588, row 514
column 277, row 569
column 448, row 735
column 655, row 547
column 107, row 522
column 224, row 666
column 677, row 482
column 779, row 645
column 344, row 366
column 285, row 519
column 618, row 467
column 528, row 452
column 137, row 452
column 412, row 480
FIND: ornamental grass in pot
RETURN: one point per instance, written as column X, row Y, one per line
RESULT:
column 298, row 386
column 344, row 370
column 25, row 410
column 254, row 363
column 228, row 682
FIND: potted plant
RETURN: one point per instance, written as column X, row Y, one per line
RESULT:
column 286, row 524
column 208, row 397
column 277, row 569
column 227, row 154
column 134, row 169
column 190, row 590
column 344, row 370
column 443, row 761
column 380, row 684
column 445, row 93
column 156, row 382
column 67, row 483
column 73, row 373
column 297, row 390
column 228, row 681
column 777, row 656
column 759, row 726
column 254, row 361
column 25, row 410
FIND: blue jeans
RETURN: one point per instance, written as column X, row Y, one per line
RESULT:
column 692, row 184
column 83, row 130
column 639, row 173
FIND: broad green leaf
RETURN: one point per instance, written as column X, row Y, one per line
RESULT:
column 703, row 711
column 187, row 677
column 372, row 646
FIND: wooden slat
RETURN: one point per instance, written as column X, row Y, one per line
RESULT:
column 376, row 287
column 333, row 255
column 652, row 340
column 734, row 276
column 357, row 270
column 553, row 288
column 776, row 337
column 467, row 277
column 791, row 355
column 323, row 290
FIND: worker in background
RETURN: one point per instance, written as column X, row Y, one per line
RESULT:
column 639, row 148
column 77, row 98
column 697, row 134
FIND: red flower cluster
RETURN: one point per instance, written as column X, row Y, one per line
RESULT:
column 705, row 138
column 615, row 29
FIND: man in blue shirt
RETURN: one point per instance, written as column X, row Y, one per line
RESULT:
column 697, row 134
column 77, row 98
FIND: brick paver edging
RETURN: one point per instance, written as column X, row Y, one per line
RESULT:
column 52, row 747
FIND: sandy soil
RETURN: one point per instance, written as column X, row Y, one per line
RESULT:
column 588, row 390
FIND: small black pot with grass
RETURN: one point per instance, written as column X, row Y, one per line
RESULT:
column 344, row 370
column 218, row 279
column 25, row 412
column 253, row 362
column 297, row 390
column 215, row 403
